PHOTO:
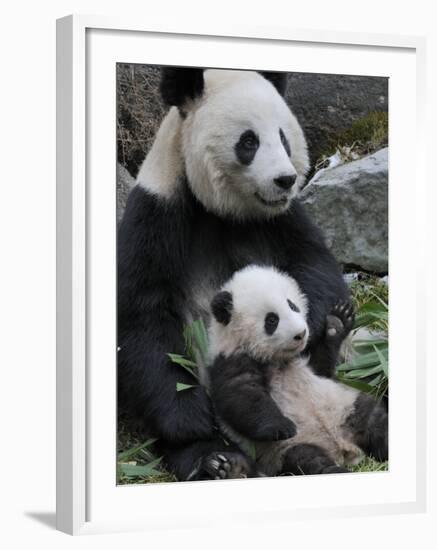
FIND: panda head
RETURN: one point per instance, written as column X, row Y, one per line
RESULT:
column 244, row 152
column 261, row 312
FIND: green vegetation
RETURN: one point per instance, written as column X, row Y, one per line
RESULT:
column 366, row 369
column 365, row 135
column 196, row 346
column 136, row 459
column 366, row 366
column 370, row 465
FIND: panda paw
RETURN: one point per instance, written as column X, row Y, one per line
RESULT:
column 224, row 465
column 340, row 320
column 278, row 431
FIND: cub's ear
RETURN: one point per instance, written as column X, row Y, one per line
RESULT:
column 279, row 80
column 221, row 306
column 180, row 84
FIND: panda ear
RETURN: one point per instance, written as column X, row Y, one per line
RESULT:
column 222, row 306
column 179, row 84
column 279, row 80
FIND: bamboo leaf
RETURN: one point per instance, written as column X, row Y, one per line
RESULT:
column 130, row 453
column 377, row 380
column 359, row 343
column 364, row 360
column 372, row 306
column 185, row 364
column 380, row 300
column 182, row 387
column 363, row 373
column 181, row 360
column 383, row 361
column 200, row 337
column 140, row 470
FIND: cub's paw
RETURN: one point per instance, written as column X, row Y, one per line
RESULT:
column 223, row 465
column 278, row 431
column 340, row 320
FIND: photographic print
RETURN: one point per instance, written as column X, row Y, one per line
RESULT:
column 252, row 274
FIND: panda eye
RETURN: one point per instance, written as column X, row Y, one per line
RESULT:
column 249, row 140
column 246, row 147
column 285, row 142
column 271, row 322
column 293, row 306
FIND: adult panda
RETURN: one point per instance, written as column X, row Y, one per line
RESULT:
column 215, row 193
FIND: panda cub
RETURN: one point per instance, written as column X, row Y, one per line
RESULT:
column 263, row 387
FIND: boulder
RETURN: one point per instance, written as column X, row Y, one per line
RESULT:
column 350, row 204
column 125, row 182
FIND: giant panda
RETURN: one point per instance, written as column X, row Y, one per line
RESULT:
column 216, row 192
column 265, row 391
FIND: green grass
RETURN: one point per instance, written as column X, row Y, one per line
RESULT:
column 366, row 287
column 369, row 465
column 137, row 460
column 365, row 136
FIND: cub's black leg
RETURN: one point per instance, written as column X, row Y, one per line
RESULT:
column 307, row 459
column 339, row 322
column 207, row 460
column 369, row 426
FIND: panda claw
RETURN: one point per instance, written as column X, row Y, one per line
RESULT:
column 224, row 465
column 214, row 464
column 341, row 319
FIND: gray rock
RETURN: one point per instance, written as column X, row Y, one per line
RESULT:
column 350, row 204
column 125, row 182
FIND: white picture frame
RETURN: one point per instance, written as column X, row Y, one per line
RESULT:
column 87, row 498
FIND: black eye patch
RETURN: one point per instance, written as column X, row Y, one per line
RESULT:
column 246, row 147
column 293, row 306
column 271, row 322
column 285, row 142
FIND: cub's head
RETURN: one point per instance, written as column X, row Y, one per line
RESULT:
column 243, row 150
column 260, row 311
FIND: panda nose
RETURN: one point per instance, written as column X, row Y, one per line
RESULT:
column 285, row 182
column 301, row 335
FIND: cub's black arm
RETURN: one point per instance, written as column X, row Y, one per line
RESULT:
column 239, row 391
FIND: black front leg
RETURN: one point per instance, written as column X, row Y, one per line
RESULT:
column 239, row 390
column 339, row 323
